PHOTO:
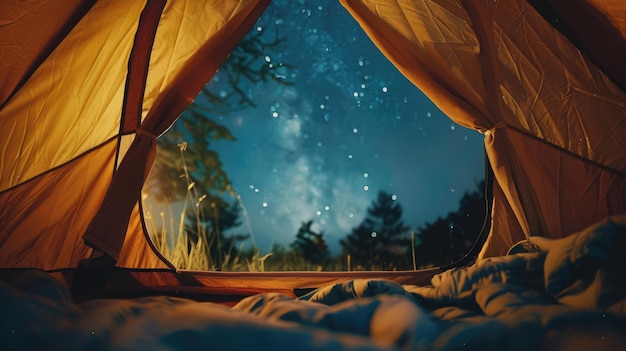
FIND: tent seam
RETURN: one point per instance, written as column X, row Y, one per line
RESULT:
column 103, row 144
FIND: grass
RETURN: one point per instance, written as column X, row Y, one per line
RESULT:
column 171, row 234
column 171, row 237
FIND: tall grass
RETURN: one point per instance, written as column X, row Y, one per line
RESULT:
column 170, row 232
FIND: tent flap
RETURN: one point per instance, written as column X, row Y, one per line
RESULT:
column 554, row 121
column 108, row 229
column 98, row 71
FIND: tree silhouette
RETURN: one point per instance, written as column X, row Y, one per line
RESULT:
column 447, row 239
column 379, row 241
column 310, row 245
column 198, row 128
column 188, row 169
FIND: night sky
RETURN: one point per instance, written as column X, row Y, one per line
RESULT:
column 350, row 126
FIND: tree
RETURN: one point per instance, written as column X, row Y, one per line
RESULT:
column 447, row 239
column 186, row 167
column 310, row 245
column 379, row 241
column 197, row 128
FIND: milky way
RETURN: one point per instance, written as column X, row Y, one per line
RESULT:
column 350, row 126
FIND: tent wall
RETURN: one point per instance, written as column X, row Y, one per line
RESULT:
column 20, row 53
column 34, row 216
column 596, row 27
column 554, row 123
column 59, row 131
column 75, row 92
column 73, row 101
column 184, row 64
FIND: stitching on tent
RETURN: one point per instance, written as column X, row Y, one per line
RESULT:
column 79, row 156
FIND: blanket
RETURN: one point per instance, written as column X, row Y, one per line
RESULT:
column 566, row 294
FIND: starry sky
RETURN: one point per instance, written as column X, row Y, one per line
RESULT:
column 350, row 126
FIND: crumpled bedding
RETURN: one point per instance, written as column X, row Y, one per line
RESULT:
column 566, row 294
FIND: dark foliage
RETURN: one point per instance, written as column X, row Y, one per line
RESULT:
column 311, row 245
column 198, row 127
column 380, row 241
column 187, row 166
column 448, row 239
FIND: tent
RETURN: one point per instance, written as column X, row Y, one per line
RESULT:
column 83, row 102
column 88, row 86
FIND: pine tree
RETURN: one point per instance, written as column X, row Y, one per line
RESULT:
column 311, row 245
column 448, row 238
column 379, row 242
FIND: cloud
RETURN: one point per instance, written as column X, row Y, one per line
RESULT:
column 289, row 134
column 350, row 205
column 297, row 196
column 302, row 185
